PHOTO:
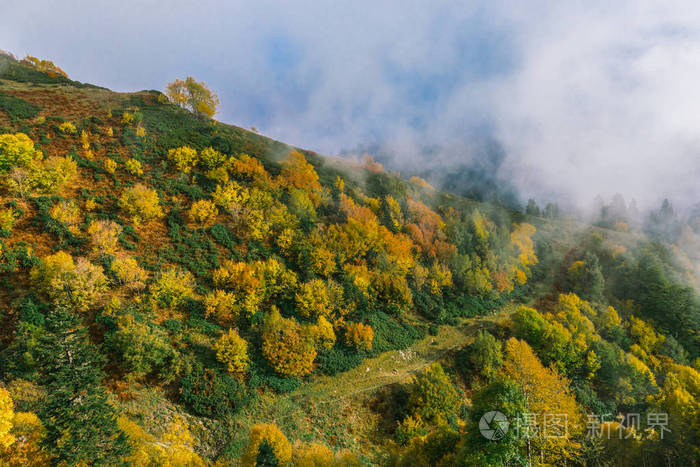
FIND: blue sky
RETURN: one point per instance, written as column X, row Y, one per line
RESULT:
column 586, row 97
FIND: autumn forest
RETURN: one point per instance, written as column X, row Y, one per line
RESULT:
column 179, row 291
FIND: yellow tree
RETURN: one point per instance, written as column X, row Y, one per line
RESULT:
column 554, row 413
column 185, row 158
column 286, row 347
column 273, row 438
column 232, row 351
column 104, row 236
column 140, row 203
column 193, row 95
column 7, row 413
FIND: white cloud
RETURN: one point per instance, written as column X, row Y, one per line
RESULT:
column 587, row 97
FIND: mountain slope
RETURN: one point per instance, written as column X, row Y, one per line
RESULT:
column 223, row 282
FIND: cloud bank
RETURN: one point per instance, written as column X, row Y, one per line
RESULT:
column 586, row 98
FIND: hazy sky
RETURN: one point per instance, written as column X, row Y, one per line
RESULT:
column 585, row 97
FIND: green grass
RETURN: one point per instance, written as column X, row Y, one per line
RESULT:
column 336, row 409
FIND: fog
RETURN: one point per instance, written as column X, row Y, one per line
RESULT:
column 584, row 98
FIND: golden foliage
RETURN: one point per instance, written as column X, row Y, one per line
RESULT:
column 359, row 335
column 286, row 347
column 546, row 392
column 128, row 272
column 172, row 287
column 134, row 167
column 274, row 438
column 212, row 158
column 16, row 150
column 313, row 299
column 322, row 262
column 185, row 158
column 322, row 333
column 45, row 66
column 174, row 449
column 67, row 128
column 221, row 306
column 203, row 213
column 140, row 203
column 232, row 351
column 521, row 238
column 26, row 450
column 8, row 217
column 84, row 140
column 104, row 236
column 76, row 285
column 127, row 119
column 193, row 95
column 298, row 173
column 110, row 165
column 7, row 414
column 250, row 169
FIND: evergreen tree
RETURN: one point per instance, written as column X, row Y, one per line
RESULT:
column 532, row 209
column 80, row 424
column 266, row 456
column 589, row 282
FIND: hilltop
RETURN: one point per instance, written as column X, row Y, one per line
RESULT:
column 177, row 288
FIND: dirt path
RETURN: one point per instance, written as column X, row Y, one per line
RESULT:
column 336, row 408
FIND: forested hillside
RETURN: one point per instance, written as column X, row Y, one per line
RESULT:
column 178, row 291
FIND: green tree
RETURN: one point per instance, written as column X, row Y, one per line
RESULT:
column 486, row 354
column 433, row 396
column 81, row 426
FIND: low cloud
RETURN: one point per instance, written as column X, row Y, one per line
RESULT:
column 585, row 98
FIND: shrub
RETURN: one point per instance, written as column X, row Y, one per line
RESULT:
column 110, row 165
column 212, row 158
column 84, row 140
column 338, row 360
column 203, row 213
column 67, row 128
column 232, row 351
column 128, row 272
column 127, row 119
column 211, row 394
column 409, row 428
column 104, row 236
column 8, row 216
column 185, row 158
column 140, row 131
column 173, row 287
column 261, row 434
column 322, row 333
column 134, row 167
column 140, row 203
column 314, row 455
